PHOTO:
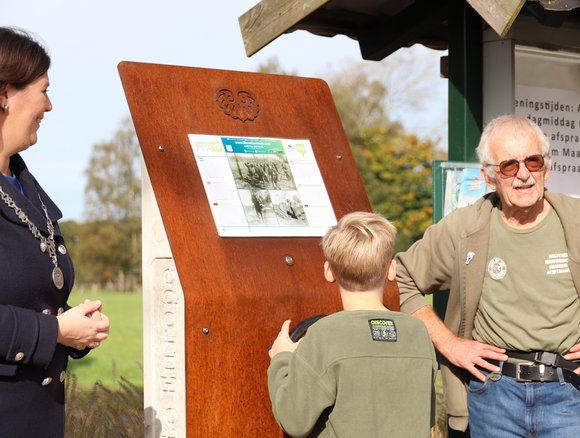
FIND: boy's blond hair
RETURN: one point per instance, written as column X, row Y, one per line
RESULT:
column 359, row 248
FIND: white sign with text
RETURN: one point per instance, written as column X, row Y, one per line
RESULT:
column 557, row 113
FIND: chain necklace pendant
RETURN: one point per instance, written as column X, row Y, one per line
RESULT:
column 58, row 277
column 47, row 244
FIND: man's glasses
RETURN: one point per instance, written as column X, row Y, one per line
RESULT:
column 533, row 163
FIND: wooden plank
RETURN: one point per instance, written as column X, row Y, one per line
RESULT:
column 499, row 14
column 271, row 18
column 527, row 31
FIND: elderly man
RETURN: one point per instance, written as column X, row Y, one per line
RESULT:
column 511, row 263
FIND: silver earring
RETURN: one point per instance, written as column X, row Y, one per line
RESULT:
column 5, row 107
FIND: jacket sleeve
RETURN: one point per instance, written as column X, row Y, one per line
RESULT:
column 26, row 337
column 427, row 266
column 298, row 395
column 78, row 354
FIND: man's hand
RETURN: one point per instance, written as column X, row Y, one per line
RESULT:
column 574, row 354
column 283, row 341
column 469, row 354
column 464, row 353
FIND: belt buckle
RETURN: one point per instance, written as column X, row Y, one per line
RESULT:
column 519, row 371
column 546, row 358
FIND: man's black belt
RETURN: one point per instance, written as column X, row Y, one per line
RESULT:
column 527, row 372
column 540, row 366
column 544, row 358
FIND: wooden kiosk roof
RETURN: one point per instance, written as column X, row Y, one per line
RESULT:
column 383, row 26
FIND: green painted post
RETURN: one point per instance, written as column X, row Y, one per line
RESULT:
column 465, row 81
column 465, row 101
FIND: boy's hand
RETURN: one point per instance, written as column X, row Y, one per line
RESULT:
column 283, row 341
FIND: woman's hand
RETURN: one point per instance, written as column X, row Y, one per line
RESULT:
column 83, row 326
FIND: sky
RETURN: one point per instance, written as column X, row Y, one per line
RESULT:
column 87, row 39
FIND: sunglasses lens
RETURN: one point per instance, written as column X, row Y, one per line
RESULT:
column 509, row 167
column 534, row 163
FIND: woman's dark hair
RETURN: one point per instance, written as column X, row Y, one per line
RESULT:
column 22, row 58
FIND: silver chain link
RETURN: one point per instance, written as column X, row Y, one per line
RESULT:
column 46, row 244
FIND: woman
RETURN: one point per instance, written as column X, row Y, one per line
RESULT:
column 38, row 331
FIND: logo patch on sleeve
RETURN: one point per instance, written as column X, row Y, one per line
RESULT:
column 383, row 330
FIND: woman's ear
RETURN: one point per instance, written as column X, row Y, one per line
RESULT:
column 6, row 90
column 3, row 97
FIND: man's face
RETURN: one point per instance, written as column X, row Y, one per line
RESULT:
column 523, row 192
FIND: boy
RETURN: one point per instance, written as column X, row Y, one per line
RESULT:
column 365, row 371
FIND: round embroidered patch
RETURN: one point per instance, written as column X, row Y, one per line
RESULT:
column 496, row 268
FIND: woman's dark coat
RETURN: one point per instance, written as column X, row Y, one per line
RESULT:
column 32, row 364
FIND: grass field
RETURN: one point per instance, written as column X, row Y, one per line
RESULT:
column 122, row 354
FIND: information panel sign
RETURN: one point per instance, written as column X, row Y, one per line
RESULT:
column 263, row 186
column 557, row 113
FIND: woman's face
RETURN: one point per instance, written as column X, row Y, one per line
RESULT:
column 26, row 108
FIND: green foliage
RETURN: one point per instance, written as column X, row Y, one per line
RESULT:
column 395, row 169
column 107, row 253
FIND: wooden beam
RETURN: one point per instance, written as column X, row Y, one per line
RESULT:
column 527, row 31
column 499, row 14
column 271, row 18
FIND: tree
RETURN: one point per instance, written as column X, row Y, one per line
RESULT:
column 113, row 188
column 107, row 247
column 395, row 166
column 273, row 66
column 396, row 171
column 361, row 101
column 109, row 254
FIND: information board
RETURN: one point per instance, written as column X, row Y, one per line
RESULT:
column 259, row 187
column 547, row 91
column 557, row 113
